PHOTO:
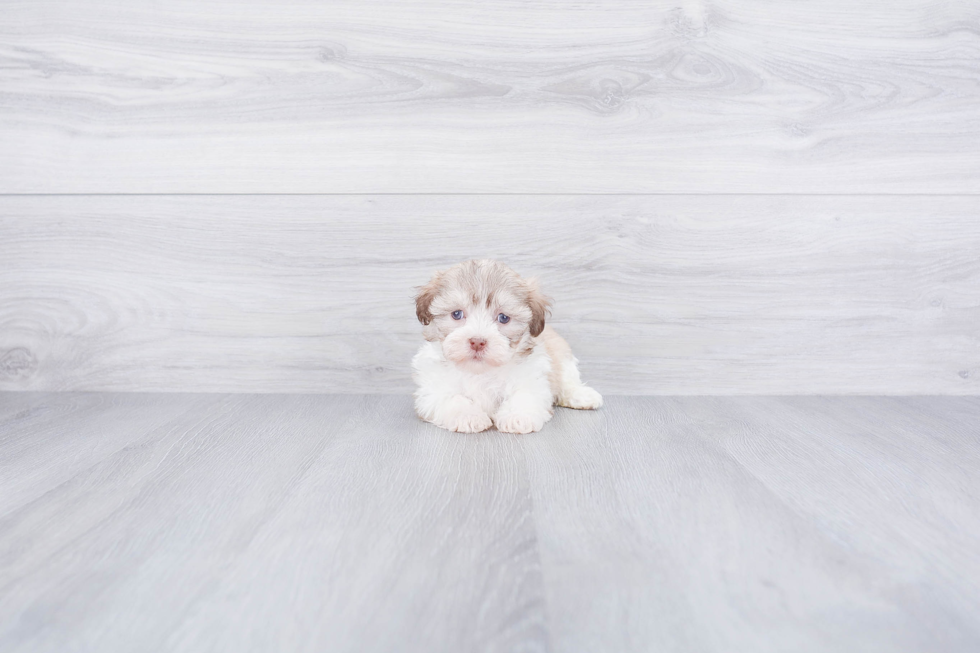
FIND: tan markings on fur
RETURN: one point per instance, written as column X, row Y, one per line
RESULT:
column 427, row 293
column 475, row 281
column 517, row 339
column 526, row 350
column 559, row 352
column 539, row 304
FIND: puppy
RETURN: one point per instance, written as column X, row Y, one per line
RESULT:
column 489, row 359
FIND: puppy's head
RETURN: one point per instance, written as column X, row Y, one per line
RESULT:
column 483, row 312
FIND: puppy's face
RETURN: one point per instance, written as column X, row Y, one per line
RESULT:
column 484, row 314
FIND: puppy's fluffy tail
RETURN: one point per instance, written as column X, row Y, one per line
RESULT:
column 566, row 384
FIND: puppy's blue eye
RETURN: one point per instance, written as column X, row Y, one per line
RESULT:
column 503, row 319
column 457, row 315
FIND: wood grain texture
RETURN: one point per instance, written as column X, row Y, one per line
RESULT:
column 657, row 295
column 342, row 523
column 509, row 96
column 263, row 523
column 760, row 524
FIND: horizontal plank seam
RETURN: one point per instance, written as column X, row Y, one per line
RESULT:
column 712, row 395
column 489, row 194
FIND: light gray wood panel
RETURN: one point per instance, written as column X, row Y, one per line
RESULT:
column 760, row 524
column 508, row 96
column 342, row 523
column 686, row 294
column 269, row 523
column 675, row 295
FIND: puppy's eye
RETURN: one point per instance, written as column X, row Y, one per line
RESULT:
column 503, row 319
column 457, row 315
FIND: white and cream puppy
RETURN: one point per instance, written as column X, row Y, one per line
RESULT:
column 489, row 359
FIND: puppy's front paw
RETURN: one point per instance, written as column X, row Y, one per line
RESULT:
column 469, row 420
column 519, row 423
column 583, row 398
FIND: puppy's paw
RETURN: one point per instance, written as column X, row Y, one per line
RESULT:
column 519, row 422
column 583, row 398
column 469, row 420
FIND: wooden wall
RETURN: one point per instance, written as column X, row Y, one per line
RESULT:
column 722, row 197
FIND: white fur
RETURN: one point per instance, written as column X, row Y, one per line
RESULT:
column 515, row 396
column 514, row 382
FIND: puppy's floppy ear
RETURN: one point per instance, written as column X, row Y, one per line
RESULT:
column 427, row 293
column 539, row 304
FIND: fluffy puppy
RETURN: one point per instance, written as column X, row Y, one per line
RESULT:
column 489, row 359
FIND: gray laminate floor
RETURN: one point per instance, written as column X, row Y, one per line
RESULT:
column 144, row 522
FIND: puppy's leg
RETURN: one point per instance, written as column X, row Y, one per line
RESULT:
column 572, row 392
column 453, row 412
column 566, row 383
column 527, row 408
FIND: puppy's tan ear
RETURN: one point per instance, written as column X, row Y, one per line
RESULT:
column 539, row 304
column 427, row 293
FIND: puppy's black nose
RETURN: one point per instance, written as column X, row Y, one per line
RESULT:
column 477, row 344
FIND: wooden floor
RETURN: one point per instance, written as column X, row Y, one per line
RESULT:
column 723, row 198
column 144, row 522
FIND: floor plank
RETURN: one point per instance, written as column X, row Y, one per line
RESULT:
column 446, row 96
column 289, row 522
column 657, row 295
column 276, row 523
column 755, row 524
column 18, row 403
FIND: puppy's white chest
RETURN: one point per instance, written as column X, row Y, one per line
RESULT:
column 487, row 387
